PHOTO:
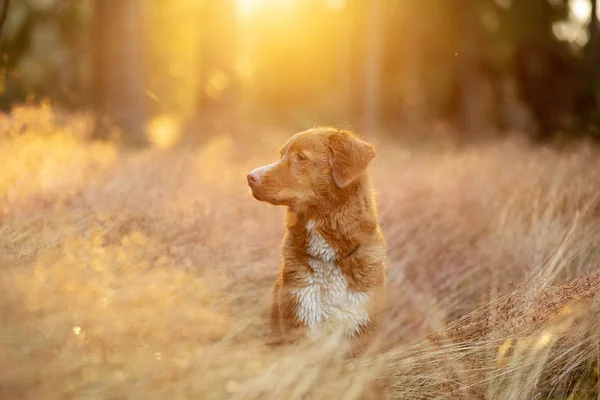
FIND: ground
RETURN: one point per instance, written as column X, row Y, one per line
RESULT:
column 148, row 274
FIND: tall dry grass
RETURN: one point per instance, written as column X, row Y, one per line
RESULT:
column 130, row 275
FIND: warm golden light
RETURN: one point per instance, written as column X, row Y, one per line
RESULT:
column 164, row 131
column 581, row 9
column 543, row 341
column 247, row 7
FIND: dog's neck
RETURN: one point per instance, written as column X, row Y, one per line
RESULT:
column 340, row 220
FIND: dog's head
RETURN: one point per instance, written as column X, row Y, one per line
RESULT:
column 314, row 165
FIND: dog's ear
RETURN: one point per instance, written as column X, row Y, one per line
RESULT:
column 349, row 157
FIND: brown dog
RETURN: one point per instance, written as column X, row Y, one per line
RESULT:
column 332, row 277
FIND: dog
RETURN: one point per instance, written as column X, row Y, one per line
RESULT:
column 332, row 278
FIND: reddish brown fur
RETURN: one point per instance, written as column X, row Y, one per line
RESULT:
column 321, row 178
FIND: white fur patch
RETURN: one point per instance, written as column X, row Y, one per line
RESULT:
column 325, row 302
column 317, row 246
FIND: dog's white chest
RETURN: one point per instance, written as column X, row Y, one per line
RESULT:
column 325, row 301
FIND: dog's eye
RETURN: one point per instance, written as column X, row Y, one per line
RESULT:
column 301, row 157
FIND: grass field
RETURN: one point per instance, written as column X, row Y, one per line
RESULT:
column 148, row 275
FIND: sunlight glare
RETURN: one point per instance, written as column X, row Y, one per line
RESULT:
column 336, row 4
column 502, row 357
column 580, row 10
column 543, row 341
column 164, row 131
column 248, row 7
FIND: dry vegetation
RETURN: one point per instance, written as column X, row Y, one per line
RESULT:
column 148, row 274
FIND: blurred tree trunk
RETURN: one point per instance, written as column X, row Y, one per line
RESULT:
column 346, row 59
column 355, row 52
column 413, row 43
column 118, row 70
column 594, row 21
column 591, row 81
column 4, row 4
column 533, row 21
column 477, row 87
column 537, row 65
column 374, row 49
column 468, row 73
column 218, row 93
column 593, row 45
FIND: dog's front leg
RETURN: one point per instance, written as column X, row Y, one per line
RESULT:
column 276, row 335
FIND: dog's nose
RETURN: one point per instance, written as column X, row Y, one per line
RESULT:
column 252, row 177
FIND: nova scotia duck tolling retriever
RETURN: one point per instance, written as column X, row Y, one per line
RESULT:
column 332, row 279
